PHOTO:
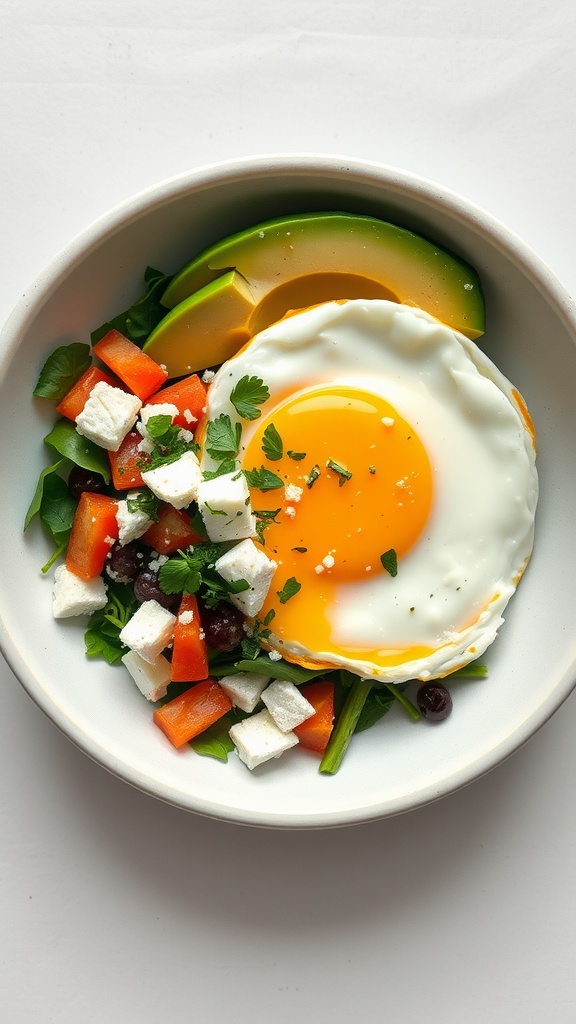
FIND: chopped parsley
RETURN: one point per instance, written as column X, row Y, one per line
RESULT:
column 193, row 570
column 169, row 444
column 263, row 479
column 290, row 589
column 223, row 438
column 390, row 561
column 265, row 517
column 272, row 443
column 247, row 394
column 296, row 456
column 144, row 501
column 313, row 476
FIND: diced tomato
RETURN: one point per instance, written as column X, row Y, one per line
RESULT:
column 94, row 531
column 74, row 401
column 189, row 397
column 189, row 649
column 127, row 463
column 138, row 371
column 171, row 532
column 314, row 733
column 194, row 711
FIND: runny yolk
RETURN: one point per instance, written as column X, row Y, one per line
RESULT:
column 354, row 482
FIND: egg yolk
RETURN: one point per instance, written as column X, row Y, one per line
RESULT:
column 351, row 483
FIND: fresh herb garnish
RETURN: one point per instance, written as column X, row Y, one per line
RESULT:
column 263, row 479
column 313, row 476
column 343, row 473
column 169, row 444
column 272, row 443
column 192, row 571
column 144, row 501
column 265, row 518
column 390, row 561
column 223, row 438
column 247, row 394
column 260, row 631
column 296, row 456
column 226, row 466
column 61, row 370
column 290, row 589
column 140, row 319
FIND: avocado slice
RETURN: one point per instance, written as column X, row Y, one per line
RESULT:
column 297, row 261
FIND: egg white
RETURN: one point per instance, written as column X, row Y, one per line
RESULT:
column 453, row 586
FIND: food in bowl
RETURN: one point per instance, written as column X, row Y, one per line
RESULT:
column 401, row 461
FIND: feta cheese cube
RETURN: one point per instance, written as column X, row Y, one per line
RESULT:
column 151, row 678
column 73, row 596
column 149, row 631
column 258, row 739
column 177, row 482
column 244, row 688
column 109, row 414
column 246, row 562
column 224, row 504
column 286, row 704
column 131, row 525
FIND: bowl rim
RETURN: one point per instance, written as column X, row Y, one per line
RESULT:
column 403, row 184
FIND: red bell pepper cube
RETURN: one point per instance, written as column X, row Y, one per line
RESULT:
column 189, row 397
column 171, row 532
column 74, row 401
column 189, row 649
column 127, row 463
column 94, row 531
column 315, row 732
column 193, row 712
column 139, row 372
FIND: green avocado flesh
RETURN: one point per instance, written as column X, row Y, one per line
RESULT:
column 248, row 281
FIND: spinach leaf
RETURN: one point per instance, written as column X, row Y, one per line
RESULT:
column 36, row 503
column 265, row 667
column 140, row 319
column 57, row 507
column 215, row 741
column 102, row 636
column 61, row 370
column 69, row 443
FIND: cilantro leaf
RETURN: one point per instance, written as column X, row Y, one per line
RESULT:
column 180, row 575
column 222, row 438
column 248, row 393
column 390, row 561
column 272, row 443
column 61, row 370
column 263, row 479
column 140, row 319
column 290, row 589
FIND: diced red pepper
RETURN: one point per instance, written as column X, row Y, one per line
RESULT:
column 74, row 401
column 194, row 711
column 94, row 531
column 189, row 649
column 189, row 397
column 171, row 532
column 127, row 463
column 138, row 371
column 315, row 732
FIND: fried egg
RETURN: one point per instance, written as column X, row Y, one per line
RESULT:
column 400, row 510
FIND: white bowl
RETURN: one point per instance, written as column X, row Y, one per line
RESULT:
column 397, row 765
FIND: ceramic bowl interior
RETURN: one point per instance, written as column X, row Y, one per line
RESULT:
column 396, row 766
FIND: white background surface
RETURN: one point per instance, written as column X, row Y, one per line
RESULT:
column 113, row 907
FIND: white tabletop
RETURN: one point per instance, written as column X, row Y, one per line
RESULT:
column 117, row 908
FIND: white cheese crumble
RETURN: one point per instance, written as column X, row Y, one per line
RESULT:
column 293, row 492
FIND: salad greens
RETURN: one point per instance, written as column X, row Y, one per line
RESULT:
column 359, row 703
